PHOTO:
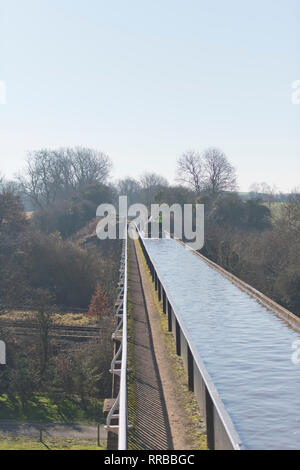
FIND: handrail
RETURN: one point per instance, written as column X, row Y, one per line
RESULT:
column 123, row 415
column 119, row 410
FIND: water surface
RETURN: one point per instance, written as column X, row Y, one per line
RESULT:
column 246, row 348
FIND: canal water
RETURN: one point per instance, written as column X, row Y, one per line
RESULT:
column 246, row 349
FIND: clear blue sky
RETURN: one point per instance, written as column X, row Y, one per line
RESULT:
column 145, row 80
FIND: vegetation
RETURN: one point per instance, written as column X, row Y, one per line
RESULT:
column 260, row 249
column 25, row 443
column 43, row 381
column 254, row 235
column 31, row 260
column 53, row 175
column 42, row 409
column 210, row 172
column 43, row 274
column 99, row 305
column 58, row 319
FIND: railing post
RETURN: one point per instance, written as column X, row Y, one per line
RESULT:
column 159, row 290
column 210, row 430
column 169, row 317
column 152, row 272
column 155, row 280
column 178, row 339
column 164, row 300
column 190, row 369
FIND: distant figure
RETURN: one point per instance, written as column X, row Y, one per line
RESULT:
column 149, row 226
column 160, row 226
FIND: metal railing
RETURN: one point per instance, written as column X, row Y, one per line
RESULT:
column 118, row 415
column 221, row 432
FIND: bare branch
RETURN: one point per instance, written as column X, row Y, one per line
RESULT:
column 53, row 175
column 219, row 174
column 189, row 170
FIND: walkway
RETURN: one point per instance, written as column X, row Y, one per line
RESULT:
column 147, row 409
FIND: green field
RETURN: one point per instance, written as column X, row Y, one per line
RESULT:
column 41, row 408
column 276, row 208
column 10, row 443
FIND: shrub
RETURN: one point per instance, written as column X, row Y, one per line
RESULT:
column 99, row 306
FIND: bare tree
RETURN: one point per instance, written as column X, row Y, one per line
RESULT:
column 189, row 170
column 219, row 174
column 8, row 186
column 53, row 175
column 88, row 166
column 151, row 184
column 131, row 188
column 149, row 180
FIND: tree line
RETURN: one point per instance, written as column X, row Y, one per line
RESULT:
column 243, row 234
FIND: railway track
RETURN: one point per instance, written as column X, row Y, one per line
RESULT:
column 72, row 333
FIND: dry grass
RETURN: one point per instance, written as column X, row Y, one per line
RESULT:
column 80, row 237
column 66, row 319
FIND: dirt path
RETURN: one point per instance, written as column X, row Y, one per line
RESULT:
column 70, row 431
column 178, row 420
column 147, row 409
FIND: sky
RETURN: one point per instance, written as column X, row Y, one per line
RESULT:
column 143, row 81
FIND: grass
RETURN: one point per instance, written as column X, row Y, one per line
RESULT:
column 187, row 399
column 24, row 443
column 74, row 319
column 64, row 319
column 41, row 408
column 275, row 208
column 89, row 230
